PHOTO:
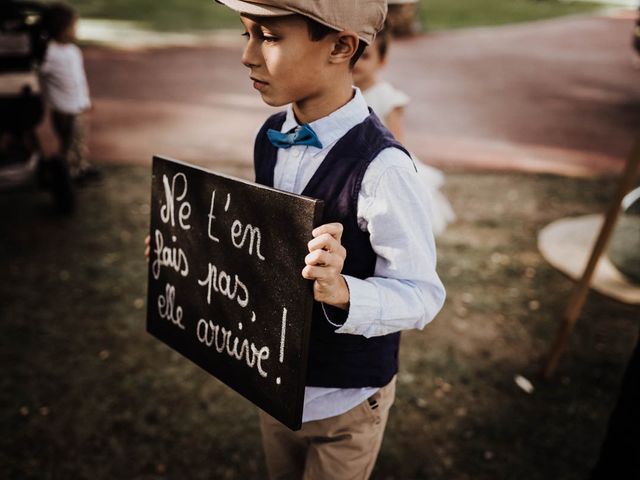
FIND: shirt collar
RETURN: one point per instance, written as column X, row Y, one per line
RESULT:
column 335, row 125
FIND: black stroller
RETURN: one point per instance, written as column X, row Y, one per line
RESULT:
column 23, row 43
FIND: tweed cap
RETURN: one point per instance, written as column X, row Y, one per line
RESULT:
column 363, row 17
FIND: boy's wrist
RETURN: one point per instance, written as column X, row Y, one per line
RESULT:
column 342, row 297
column 334, row 315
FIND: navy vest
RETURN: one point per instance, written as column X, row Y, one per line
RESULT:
column 341, row 360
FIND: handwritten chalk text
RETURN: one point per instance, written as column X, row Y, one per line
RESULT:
column 239, row 237
column 167, row 211
column 165, row 256
column 218, row 337
column 220, row 281
column 167, row 307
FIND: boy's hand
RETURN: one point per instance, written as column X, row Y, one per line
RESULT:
column 147, row 246
column 324, row 265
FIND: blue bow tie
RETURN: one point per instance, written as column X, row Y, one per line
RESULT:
column 299, row 136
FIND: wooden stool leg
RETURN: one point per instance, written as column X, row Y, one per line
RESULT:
column 580, row 291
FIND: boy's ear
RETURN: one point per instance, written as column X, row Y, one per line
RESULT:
column 344, row 47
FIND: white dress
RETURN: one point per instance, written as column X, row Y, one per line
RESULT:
column 383, row 98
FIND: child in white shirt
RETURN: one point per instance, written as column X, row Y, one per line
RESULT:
column 388, row 103
column 65, row 87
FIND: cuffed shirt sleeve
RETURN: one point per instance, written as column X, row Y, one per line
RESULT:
column 405, row 291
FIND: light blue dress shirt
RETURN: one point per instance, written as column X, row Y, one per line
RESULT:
column 405, row 291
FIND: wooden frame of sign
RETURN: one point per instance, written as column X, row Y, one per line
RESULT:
column 225, row 285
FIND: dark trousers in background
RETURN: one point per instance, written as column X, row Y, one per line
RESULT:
column 620, row 453
column 70, row 130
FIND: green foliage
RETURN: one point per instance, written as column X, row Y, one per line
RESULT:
column 169, row 15
column 446, row 14
column 435, row 14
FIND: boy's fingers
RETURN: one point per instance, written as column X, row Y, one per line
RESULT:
column 334, row 229
column 324, row 242
column 314, row 272
column 147, row 246
column 321, row 258
column 327, row 254
column 308, row 273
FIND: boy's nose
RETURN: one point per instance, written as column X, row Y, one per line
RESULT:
column 249, row 58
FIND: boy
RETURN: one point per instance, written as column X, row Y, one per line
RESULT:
column 64, row 84
column 373, row 260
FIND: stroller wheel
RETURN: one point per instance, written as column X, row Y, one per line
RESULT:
column 61, row 186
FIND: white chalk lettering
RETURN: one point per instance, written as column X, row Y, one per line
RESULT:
column 212, row 217
column 165, row 256
column 218, row 337
column 254, row 237
column 282, row 333
column 167, row 212
column 220, row 282
column 167, row 307
column 224, row 283
column 282, row 337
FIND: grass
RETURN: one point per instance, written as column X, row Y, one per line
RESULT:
column 87, row 394
column 445, row 14
column 181, row 15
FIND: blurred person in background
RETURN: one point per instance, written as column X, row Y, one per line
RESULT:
column 64, row 84
column 388, row 103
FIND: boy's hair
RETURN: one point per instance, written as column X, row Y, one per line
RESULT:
column 318, row 31
column 57, row 18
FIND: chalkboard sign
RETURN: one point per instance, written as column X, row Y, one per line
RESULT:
column 225, row 283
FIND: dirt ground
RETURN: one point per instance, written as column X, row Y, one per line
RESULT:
column 88, row 394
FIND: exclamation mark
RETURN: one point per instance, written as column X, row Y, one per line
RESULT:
column 282, row 336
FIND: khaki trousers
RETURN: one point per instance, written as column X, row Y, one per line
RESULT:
column 344, row 447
